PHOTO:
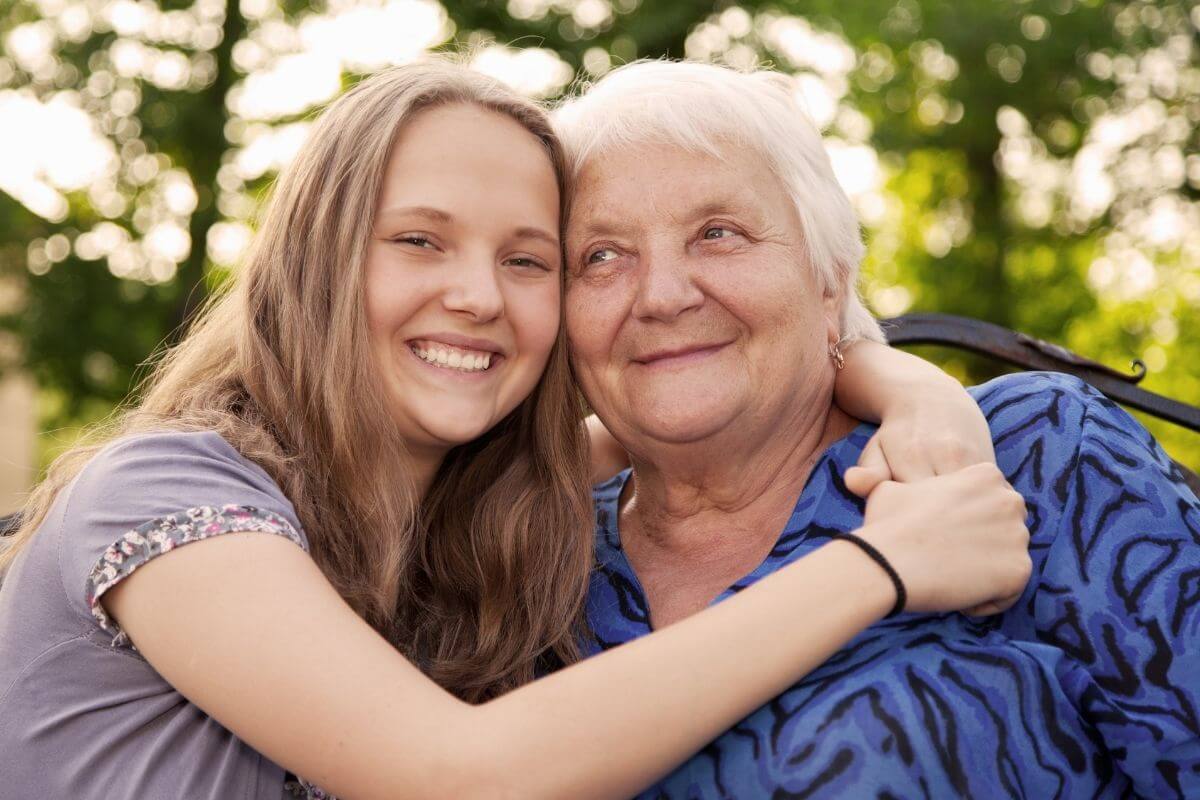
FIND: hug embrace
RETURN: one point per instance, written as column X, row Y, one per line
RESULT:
column 344, row 543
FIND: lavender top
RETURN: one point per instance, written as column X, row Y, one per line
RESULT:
column 82, row 713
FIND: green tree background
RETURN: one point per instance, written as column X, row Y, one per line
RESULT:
column 1034, row 163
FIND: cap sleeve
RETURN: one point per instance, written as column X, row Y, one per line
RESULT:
column 146, row 495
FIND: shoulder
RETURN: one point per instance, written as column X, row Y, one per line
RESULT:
column 141, row 456
column 158, row 471
column 1047, row 407
column 144, row 495
column 1025, row 392
column 1061, row 424
column 165, row 477
column 1055, row 401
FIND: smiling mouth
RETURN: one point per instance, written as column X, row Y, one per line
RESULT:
column 460, row 359
column 682, row 356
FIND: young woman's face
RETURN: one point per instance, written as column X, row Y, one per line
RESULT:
column 462, row 275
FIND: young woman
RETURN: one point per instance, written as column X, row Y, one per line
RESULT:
column 376, row 438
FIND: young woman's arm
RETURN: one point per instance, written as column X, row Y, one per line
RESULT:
column 246, row 627
column 929, row 425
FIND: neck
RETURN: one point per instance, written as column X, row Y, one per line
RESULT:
column 730, row 492
column 424, row 464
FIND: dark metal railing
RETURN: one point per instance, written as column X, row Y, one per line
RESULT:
column 1026, row 352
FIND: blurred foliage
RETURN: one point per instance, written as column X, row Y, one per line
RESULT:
column 984, row 118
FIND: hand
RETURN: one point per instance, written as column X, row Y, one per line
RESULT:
column 934, row 433
column 958, row 541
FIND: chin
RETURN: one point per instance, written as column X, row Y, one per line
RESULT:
column 678, row 425
column 443, row 431
column 456, row 435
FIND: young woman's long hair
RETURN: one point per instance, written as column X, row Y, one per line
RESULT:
column 483, row 580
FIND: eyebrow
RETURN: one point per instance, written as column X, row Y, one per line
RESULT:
column 596, row 228
column 728, row 205
column 437, row 215
column 537, row 233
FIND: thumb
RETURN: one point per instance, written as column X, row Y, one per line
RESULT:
column 871, row 471
column 992, row 607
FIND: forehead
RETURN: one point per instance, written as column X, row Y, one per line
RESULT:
column 649, row 184
column 461, row 152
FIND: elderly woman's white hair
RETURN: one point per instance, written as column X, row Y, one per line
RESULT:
column 705, row 108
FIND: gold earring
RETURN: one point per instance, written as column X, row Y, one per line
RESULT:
column 835, row 353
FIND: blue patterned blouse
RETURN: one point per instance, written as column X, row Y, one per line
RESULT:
column 1088, row 688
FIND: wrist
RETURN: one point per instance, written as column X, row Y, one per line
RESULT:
column 870, row 584
column 917, row 389
column 882, row 562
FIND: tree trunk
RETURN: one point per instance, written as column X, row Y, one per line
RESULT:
column 203, row 134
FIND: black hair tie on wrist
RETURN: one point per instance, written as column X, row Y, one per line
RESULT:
column 877, row 557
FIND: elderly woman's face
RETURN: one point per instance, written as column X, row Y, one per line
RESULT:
column 690, row 303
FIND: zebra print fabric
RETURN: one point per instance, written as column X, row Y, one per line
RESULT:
column 1087, row 688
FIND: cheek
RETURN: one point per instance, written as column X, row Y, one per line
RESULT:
column 380, row 304
column 535, row 314
column 578, row 324
column 770, row 296
column 594, row 315
column 392, row 297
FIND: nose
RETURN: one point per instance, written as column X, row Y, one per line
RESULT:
column 665, row 286
column 474, row 291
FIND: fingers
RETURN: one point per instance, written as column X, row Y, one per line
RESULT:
column 951, row 453
column 872, row 469
column 873, row 458
column 913, row 458
column 992, row 607
column 909, row 459
column 862, row 481
column 986, row 474
column 959, row 437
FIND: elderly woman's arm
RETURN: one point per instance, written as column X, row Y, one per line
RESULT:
column 929, row 425
column 1115, row 542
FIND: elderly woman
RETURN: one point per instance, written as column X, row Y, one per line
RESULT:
column 712, row 263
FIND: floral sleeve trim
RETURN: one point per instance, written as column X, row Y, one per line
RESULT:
column 164, row 534
column 300, row 788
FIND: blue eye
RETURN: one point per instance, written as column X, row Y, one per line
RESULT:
column 718, row 229
column 592, row 258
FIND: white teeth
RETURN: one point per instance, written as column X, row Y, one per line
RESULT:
column 453, row 359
